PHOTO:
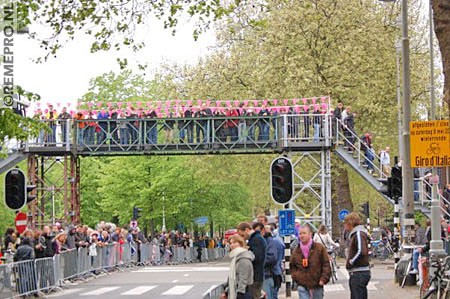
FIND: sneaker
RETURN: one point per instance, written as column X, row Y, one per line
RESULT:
column 415, row 271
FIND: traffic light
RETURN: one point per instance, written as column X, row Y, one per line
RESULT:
column 31, row 195
column 15, row 189
column 281, row 180
column 136, row 211
column 396, row 182
column 365, row 209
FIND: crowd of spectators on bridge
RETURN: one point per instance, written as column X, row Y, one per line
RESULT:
column 156, row 124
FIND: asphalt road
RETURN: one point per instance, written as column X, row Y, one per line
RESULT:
column 192, row 281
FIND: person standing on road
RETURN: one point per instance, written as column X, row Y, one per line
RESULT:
column 240, row 276
column 310, row 266
column 258, row 246
column 358, row 257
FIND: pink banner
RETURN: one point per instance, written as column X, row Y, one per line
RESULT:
column 228, row 103
column 255, row 103
column 189, row 103
column 257, row 110
column 119, row 104
column 218, row 103
column 275, row 102
column 177, row 102
column 236, row 103
column 245, row 103
column 168, row 103
column 89, row 104
column 304, row 101
column 208, row 103
column 305, row 108
column 139, row 104
column 324, row 99
column 314, row 100
column 324, row 106
column 294, row 101
column 286, row 102
column 149, row 104
column 130, row 104
column 109, row 104
column 199, row 103
column 297, row 109
column 38, row 104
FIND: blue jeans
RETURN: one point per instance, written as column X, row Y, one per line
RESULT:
column 123, row 136
column 416, row 190
column 304, row 293
column 369, row 159
column 268, row 287
column 358, row 284
column 415, row 259
column 316, row 132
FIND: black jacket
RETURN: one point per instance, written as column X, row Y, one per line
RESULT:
column 258, row 246
column 24, row 252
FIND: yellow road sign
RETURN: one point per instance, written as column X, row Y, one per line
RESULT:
column 430, row 143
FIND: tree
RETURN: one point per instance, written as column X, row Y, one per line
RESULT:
column 441, row 16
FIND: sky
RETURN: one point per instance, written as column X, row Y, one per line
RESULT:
column 66, row 78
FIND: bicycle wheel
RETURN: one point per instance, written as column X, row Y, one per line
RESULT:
column 334, row 270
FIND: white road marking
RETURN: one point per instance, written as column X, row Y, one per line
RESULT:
column 139, row 290
column 181, row 269
column 65, row 292
column 334, row 288
column 175, row 280
column 345, row 273
column 371, row 286
column 100, row 291
column 186, row 275
column 178, row 290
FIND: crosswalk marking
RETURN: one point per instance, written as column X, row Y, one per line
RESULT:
column 334, row 288
column 344, row 272
column 178, row 290
column 99, row 291
column 139, row 290
column 181, row 269
column 371, row 286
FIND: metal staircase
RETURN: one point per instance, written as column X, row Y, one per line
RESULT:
column 348, row 149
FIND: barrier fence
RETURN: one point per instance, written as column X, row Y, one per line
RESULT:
column 43, row 275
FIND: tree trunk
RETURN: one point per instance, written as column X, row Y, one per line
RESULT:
column 441, row 16
column 341, row 198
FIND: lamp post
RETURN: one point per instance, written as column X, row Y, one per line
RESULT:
column 436, row 244
column 407, row 174
column 398, row 49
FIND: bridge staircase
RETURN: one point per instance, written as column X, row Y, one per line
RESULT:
column 349, row 148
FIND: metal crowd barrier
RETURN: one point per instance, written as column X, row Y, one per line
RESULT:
column 215, row 292
column 31, row 277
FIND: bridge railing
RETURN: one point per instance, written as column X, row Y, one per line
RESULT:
column 422, row 194
column 353, row 142
column 187, row 134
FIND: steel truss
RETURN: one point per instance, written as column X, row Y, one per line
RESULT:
column 312, row 187
column 57, row 181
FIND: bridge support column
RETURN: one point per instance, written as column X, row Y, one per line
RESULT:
column 312, row 187
column 57, row 181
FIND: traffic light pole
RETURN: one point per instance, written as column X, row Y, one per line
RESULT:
column 287, row 258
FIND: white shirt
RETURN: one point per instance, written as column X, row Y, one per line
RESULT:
column 385, row 159
column 325, row 240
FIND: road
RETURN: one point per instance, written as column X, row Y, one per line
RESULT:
column 192, row 281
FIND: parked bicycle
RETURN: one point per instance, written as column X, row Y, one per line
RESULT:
column 382, row 249
column 438, row 285
column 333, row 264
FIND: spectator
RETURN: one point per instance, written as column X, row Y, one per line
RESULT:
column 59, row 243
column 25, row 251
column 358, row 257
column 337, row 115
column 277, row 270
column 420, row 235
column 324, row 238
column 385, row 161
column 270, row 263
column 258, row 246
column 241, row 270
column 310, row 266
column 63, row 119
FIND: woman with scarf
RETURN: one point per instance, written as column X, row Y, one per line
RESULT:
column 241, row 270
column 310, row 266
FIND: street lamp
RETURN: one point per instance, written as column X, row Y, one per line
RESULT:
column 407, row 174
column 436, row 246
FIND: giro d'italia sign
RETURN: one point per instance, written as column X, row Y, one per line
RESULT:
column 430, row 143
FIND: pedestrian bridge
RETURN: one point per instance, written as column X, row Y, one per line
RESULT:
column 170, row 136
